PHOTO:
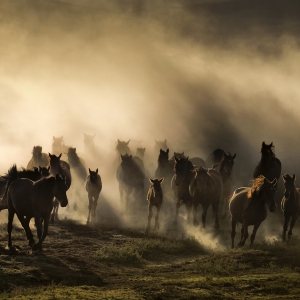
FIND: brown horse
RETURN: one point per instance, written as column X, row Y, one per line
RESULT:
column 130, row 176
column 122, row 147
column 184, row 172
column 154, row 198
column 58, row 166
column 290, row 203
column 206, row 188
column 39, row 159
column 269, row 165
column 249, row 206
column 225, row 169
column 93, row 187
column 30, row 199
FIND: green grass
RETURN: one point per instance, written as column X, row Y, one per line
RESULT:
column 139, row 250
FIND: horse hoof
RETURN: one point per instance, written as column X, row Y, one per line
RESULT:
column 35, row 247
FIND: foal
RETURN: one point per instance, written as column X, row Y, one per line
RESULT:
column 93, row 187
column 154, row 198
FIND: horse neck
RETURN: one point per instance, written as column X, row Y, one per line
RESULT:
column 74, row 160
column 46, row 184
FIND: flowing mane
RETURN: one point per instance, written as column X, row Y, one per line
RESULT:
column 256, row 187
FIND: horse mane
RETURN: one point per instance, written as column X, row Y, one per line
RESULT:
column 12, row 173
column 256, row 187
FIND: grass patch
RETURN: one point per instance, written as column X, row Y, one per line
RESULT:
column 136, row 251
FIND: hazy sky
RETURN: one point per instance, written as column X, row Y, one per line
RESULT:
column 201, row 76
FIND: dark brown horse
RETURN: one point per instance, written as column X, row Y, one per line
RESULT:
column 130, row 176
column 58, row 166
column 269, row 165
column 30, row 199
column 165, row 169
column 225, row 169
column 290, row 204
column 154, row 198
column 206, row 188
column 184, row 172
column 39, row 159
column 13, row 174
column 249, row 206
column 93, row 187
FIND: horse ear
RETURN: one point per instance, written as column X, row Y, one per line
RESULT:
column 121, row 156
column 234, row 156
column 176, row 159
column 74, row 149
column 128, row 142
column 294, row 176
column 59, row 156
column 167, row 151
column 49, row 155
column 271, row 145
column 161, row 180
column 187, row 159
column 97, row 171
column 90, row 171
column 263, row 143
column 274, row 182
column 182, row 153
column 151, row 180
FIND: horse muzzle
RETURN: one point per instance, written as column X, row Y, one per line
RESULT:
column 64, row 203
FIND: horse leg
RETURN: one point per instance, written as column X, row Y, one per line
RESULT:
column 176, row 213
column 233, row 226
column 95, row 202
column 204, row 213
column 188, row 211
column 215, row 209
column 285, row 225
column 25, row 223
column 11, row 214
column 195, row 209
column 245, row 235
column 293, row 221
column 45, row 231
column 254, row 233
column 121, row 197
column 38, row 224
column 150, row 213
column 156, row 227
column 90, row 208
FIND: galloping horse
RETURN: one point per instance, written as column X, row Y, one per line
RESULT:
column 30, row 199
column 290, row 203
column 93, row 187
column 131, row 177
column 58, row 166
column 269, row 165
column 206, row 188
column 184, row 172
column 77, row 165
column 38, row 159
column 154, row 198
column 249, row 206
column 165, row 169
column 225, row 169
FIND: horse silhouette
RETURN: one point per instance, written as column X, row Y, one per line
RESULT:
column 39, row 159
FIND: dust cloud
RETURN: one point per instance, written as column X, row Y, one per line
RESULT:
column 201, row 74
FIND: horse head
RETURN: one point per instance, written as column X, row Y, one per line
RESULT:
column 267, row 151
column 226, row 164
column 264, row 190
column 59, row 190
column 122, row 147
column 54, row 163
column 93, row 176
column 181, row 169
column 163, row 157
column 37, row 153
column 44, row 171
column 202, row 178
column 289, row 184
column 140, row 152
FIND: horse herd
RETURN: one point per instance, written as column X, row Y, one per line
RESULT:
column 37, row 191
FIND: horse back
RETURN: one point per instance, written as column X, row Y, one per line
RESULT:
column 19, row 196
column 238, row 203
column 218, row 183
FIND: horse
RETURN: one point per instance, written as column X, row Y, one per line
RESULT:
column 58, row 145
column 249, row 206
column 140, row 152
column 61, row 167
column 93, row 187
column 165, row 169
column 77, row 164
column 196, row 161
column 130, row 176
column 154, row 198
column 180, row 185
column 215, row 157
column 269, row 165
column 225, row 169
column 38, row 158
column 122, row 147
column 13, row 174
column 206, row 188
column 29, row 199
column 290, row 204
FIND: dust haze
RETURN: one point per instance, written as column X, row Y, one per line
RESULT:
column 201, row 74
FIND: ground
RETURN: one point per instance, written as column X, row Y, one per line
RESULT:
column 98, row 262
